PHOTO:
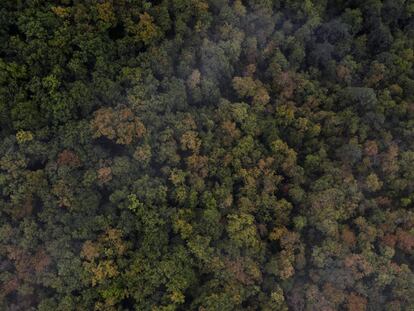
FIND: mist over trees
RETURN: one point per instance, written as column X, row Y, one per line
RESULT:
column 207, row 155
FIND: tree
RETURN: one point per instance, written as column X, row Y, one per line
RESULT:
column 119, row 125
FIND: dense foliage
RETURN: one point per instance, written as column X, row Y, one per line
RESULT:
column 207, row 155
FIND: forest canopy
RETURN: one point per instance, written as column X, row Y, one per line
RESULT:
column 207, row 155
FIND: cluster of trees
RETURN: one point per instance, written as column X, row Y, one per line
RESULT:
column 207, row 155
